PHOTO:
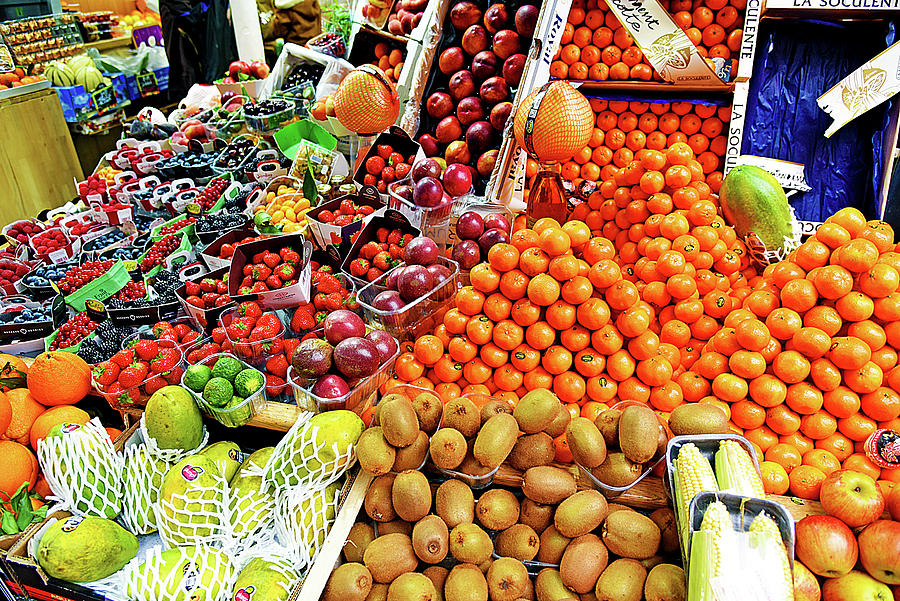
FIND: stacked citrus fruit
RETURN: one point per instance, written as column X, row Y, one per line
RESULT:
column 808, row 364
column 595, row 46
column 287, row 207
column 624, row 131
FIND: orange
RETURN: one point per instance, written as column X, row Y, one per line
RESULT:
column 784, row 455
column 806, row 481
column 59, row 378
column 838, row 445
column 5, row 414
column 858, row 462
column 17, row 466
column 53, row 416
column 775, row 478
column 25, row 409
column 822, row 459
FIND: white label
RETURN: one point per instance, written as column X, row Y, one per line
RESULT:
column 870, row 85
column 789, row 175
column 735, row 131
column 808, row 228
column 835, row 4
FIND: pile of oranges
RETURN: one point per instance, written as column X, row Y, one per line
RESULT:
column 807, row 365
column 625, row 131
column 595, row 46
column 16, row 78
column 389, row 60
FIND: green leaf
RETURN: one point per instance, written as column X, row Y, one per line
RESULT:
column 41, row 513
column 11, row 378
column 8, row 523
column 310, row 191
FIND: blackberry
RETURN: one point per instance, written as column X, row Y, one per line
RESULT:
column 115, row 303
column 90, row 353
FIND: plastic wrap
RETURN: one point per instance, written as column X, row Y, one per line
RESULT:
column 797, row 62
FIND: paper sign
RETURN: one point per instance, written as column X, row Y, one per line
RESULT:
column 864, row 89
column 835, row 4
column 149, row 36
column 104, row 99
column 147, row 84
column 789, row 175
column 666, row 46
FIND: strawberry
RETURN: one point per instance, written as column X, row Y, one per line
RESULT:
column 273, row 282
column 269, row 324
column 239, row 328
column 374, row 165
column 394, row 237
column 133, row 375
column 328, row 283
column 278, row 365
column 190, row 337
column 106, row 373
column 123, row 358
column 365, row 210
column 359, row 267
column 259, row 287
column 285, row 272
column 146, row 349
column 290, row 345
column 347, row 207
column 192, row 288
column 154, row 384
column 290, row 256
column 218, row 335
column 384, row 151
column 342, row 220
column 373, row 274
column 271, row 259
column 382, row 233
column 258, row 257
column 334, row 301
column 260, row 272
column 249, row 309
column 274, row 346
column 319, row 301
column 274, row 385
column 182, row 329
column 166, row 360
column 302, row 320
column 382, row 261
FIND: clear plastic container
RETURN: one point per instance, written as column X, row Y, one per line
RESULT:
column 433, row 222
column 357, row 400
column 414, row 317
column 238, row 415
column 258, row 351
column 611, row 492
column 266, row 123
column 137, row 396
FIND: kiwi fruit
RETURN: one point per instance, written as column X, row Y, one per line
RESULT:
column 582, row 563
column 506, row 579
column 485, row 565
column 455, row 503
column 413, row 456
column 548, row 586
column 559, row 423
column 665, row 582
column 465, row 582
column 492, row 408
column 651, row 562
column 495, row 440
column 431, row 539
column 608, row 424
column 617, row 507
column 462, row 414
column 398, row 421
column 470, row 465
column 378, row 592
column 631, row 535
column 374, row 453
column 497, row 509
column 617, row 470
column 622, row 580
column 378, row 502
column 528, row 595
column 536, row 410
column 437, row 575
column 536, row 515
column 547, row 484
column 532, row 450
column 350, row 581
column 428, row 408
column 470, row 544
column 519, row 542
column 381, row 405
column 664, row 518
column 580, row 513
column 552, row 545
column 411, row 495
column 411, row 586
column 390, row 555
column 401, row 526
column 662, row 442
column 698, row 418
column 638, row 433
column 586, row 443
column 448, row 448
column 359, row 537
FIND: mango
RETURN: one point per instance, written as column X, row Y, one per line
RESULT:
column 192, row 573
column 173, row 420
column 263, row 580
column 84, row 549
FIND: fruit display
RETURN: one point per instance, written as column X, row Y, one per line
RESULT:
column 386, row 166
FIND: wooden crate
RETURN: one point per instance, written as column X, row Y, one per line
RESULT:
column 38, row 164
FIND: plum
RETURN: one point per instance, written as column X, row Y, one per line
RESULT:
column 526, row 20
column 331, row 386
column 428, row 192
column 392, row 277
column 440, row 273
column 491, row 237
column 426, row 168
column 496, row 220
column 384, row 342
column 342, row 324
column 457, row 180
column 356, row 357
column 421, row 250
column 415, row 282
column 463, row 14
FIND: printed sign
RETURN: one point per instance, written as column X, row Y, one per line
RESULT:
column 104, row 99
column 149, row 36
column 147, row 84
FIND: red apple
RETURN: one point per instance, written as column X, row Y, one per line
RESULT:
column 851, row 497
column 506, row 43
column 259, row 69
column 855, row 586
column 475, row 39
column 457, row 152
column 469, row 110
column 513, row 68
column 465, row 14
column 494, row 90
column 526, row 20
column 496, row 17
column 448, row 130
column 806, row 587
column 461, row 84
column 879, row 550
column 439, row 105
column 826, row 545
column 485, row 64
column 238, row 67
column 500, row 115
column 451, row 60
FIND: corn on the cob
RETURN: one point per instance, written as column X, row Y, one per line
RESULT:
column 735, row 471
column 693, row 475
column 712, row 548
column 765, row 537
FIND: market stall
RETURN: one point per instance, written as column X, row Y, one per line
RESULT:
column 470, row 301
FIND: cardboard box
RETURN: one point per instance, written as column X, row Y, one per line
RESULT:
column 210, row 255
column 328, row 234
column 391, row 219
column 206, row 318
column 282, row 298
column 396, row 138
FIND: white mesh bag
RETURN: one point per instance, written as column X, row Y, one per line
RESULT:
column 265, row 575
column 251, row 508
column 303, row 519
column 313, row 454
column 193, row 504
column 169, row 455
column 142, row 477
column 83, row 469
column 194, row 573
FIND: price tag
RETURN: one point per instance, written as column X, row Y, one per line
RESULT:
column 130, row 265
column 147, row 84
column 193, row 209
column 104, row 99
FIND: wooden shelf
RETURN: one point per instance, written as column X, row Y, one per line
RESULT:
column 101, row 45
